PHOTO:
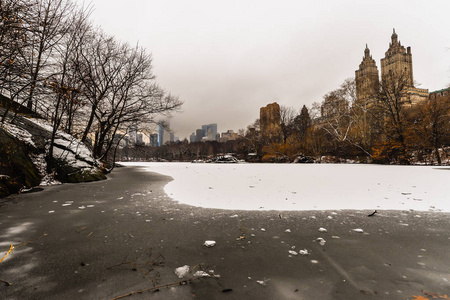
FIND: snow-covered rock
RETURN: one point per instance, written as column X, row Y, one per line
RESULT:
column 30, row 138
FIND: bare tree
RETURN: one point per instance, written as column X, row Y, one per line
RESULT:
column 430, row 125
column 64, row 84
column 340, row 118
column 287, row 116
column 47, row 26
column 13, row 40
column 391, row 107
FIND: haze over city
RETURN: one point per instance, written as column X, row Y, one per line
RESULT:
column 225, row 60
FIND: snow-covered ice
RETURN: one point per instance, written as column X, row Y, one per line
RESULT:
column 316, row 186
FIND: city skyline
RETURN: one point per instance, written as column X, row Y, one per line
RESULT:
column 226, row 60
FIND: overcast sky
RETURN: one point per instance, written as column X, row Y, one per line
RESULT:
column 226, row 59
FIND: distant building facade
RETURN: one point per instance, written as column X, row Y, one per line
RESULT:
column 270, row 121
column 198, row 135
column 396, row 63
column 366, row 77
column 230, row 135
column 164, row 133
column 154, row 140
column 440, row 94
column 209, row 131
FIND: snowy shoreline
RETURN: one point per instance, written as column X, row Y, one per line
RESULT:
column 299, row 187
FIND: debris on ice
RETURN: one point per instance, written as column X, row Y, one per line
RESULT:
column 263, row 282
column 303, row 252
column 182, row 271
column 321, row 241
column 209, row 243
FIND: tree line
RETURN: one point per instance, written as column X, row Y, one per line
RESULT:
column 386, row 127
column 60, row 66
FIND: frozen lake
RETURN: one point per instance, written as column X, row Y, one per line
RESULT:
column 306, row 186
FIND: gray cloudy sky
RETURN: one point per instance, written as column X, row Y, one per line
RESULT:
column 226, row 59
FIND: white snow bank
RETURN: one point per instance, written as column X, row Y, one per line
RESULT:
column 306, row 186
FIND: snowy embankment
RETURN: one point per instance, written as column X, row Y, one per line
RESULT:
column 306, row 186
column 26, row 146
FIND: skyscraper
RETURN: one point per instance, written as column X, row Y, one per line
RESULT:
column 206, row 128
column 154, row 140
column 396, row 65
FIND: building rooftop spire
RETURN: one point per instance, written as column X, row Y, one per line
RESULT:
column 394, row 38
column 366, row 51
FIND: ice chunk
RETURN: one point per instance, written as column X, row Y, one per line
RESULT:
column 321, row 241
column 321, row 229
column 359, row 230
column 182, row 271
column 287, row 230
column 303, row 252
column 262, row 282
column 262, row 229
column 210, row 243
column 314, row 261
column 292, row 252
column 201, row 274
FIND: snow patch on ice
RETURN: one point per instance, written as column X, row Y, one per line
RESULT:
column 182, row 271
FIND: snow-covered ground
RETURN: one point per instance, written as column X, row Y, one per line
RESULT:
column 306, row 186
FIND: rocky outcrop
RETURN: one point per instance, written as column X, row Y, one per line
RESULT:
column 24, row 145
column 17, row 170
column 270, row 120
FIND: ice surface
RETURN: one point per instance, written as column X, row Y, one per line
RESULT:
column 316, row 186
